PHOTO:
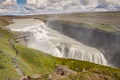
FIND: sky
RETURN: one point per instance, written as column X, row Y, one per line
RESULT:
column 30, row 7
column 21, row 1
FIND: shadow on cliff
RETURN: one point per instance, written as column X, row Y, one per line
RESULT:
column 108, row 43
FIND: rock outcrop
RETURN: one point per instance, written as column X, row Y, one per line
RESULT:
column 61, row 72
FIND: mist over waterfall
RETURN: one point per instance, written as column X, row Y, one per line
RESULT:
column 50, row 41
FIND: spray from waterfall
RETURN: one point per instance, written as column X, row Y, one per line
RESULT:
column 50, row 41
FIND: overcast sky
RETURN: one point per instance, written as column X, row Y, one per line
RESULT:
column 21, row 7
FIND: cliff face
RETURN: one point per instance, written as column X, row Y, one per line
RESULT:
column 107, row 42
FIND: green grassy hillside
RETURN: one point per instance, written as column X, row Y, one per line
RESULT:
column 99, row 26
column 32, row 61
column 6, row 53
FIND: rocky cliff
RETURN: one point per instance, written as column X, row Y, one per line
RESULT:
column 107, row 42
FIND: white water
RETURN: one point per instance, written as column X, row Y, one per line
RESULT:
column 52, row 42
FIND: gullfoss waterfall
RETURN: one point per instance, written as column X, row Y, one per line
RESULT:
column 50, row 41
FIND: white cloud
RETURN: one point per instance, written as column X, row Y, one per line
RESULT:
column 9, row 2
column 3, row 10
column 71, row 4
column 60, row 6
column 110, row 2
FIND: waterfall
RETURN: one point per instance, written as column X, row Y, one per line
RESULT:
column 54, row 43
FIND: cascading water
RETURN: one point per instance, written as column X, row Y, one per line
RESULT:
column 54, row 43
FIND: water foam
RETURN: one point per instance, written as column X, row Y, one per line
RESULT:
column 54, row 43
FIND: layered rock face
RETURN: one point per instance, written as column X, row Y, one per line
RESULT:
column 107, row 43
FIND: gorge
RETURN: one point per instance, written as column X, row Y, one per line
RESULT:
column 41, row 36
column 107, row 42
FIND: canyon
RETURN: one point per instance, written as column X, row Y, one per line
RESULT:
column 42, row 36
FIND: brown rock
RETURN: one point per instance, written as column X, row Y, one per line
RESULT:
column 61, row 72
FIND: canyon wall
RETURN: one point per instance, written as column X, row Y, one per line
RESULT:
column 40, row 36
column 107, row 42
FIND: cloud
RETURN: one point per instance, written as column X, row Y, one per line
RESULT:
column 61, row 6
column 9, row 2
column 73, row 4
column 110, row 2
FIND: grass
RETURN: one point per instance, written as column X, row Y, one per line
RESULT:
column 6, row 53
column 6, row 68
column 37, row 62
column 99, row 26
column 104, row 27
column 32, row 62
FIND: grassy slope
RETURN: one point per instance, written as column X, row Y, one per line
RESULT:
column 104, row 27
column 6, row 53
column 35, row 62
column 100, row 26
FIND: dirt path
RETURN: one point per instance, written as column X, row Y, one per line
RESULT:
column 14, row 60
